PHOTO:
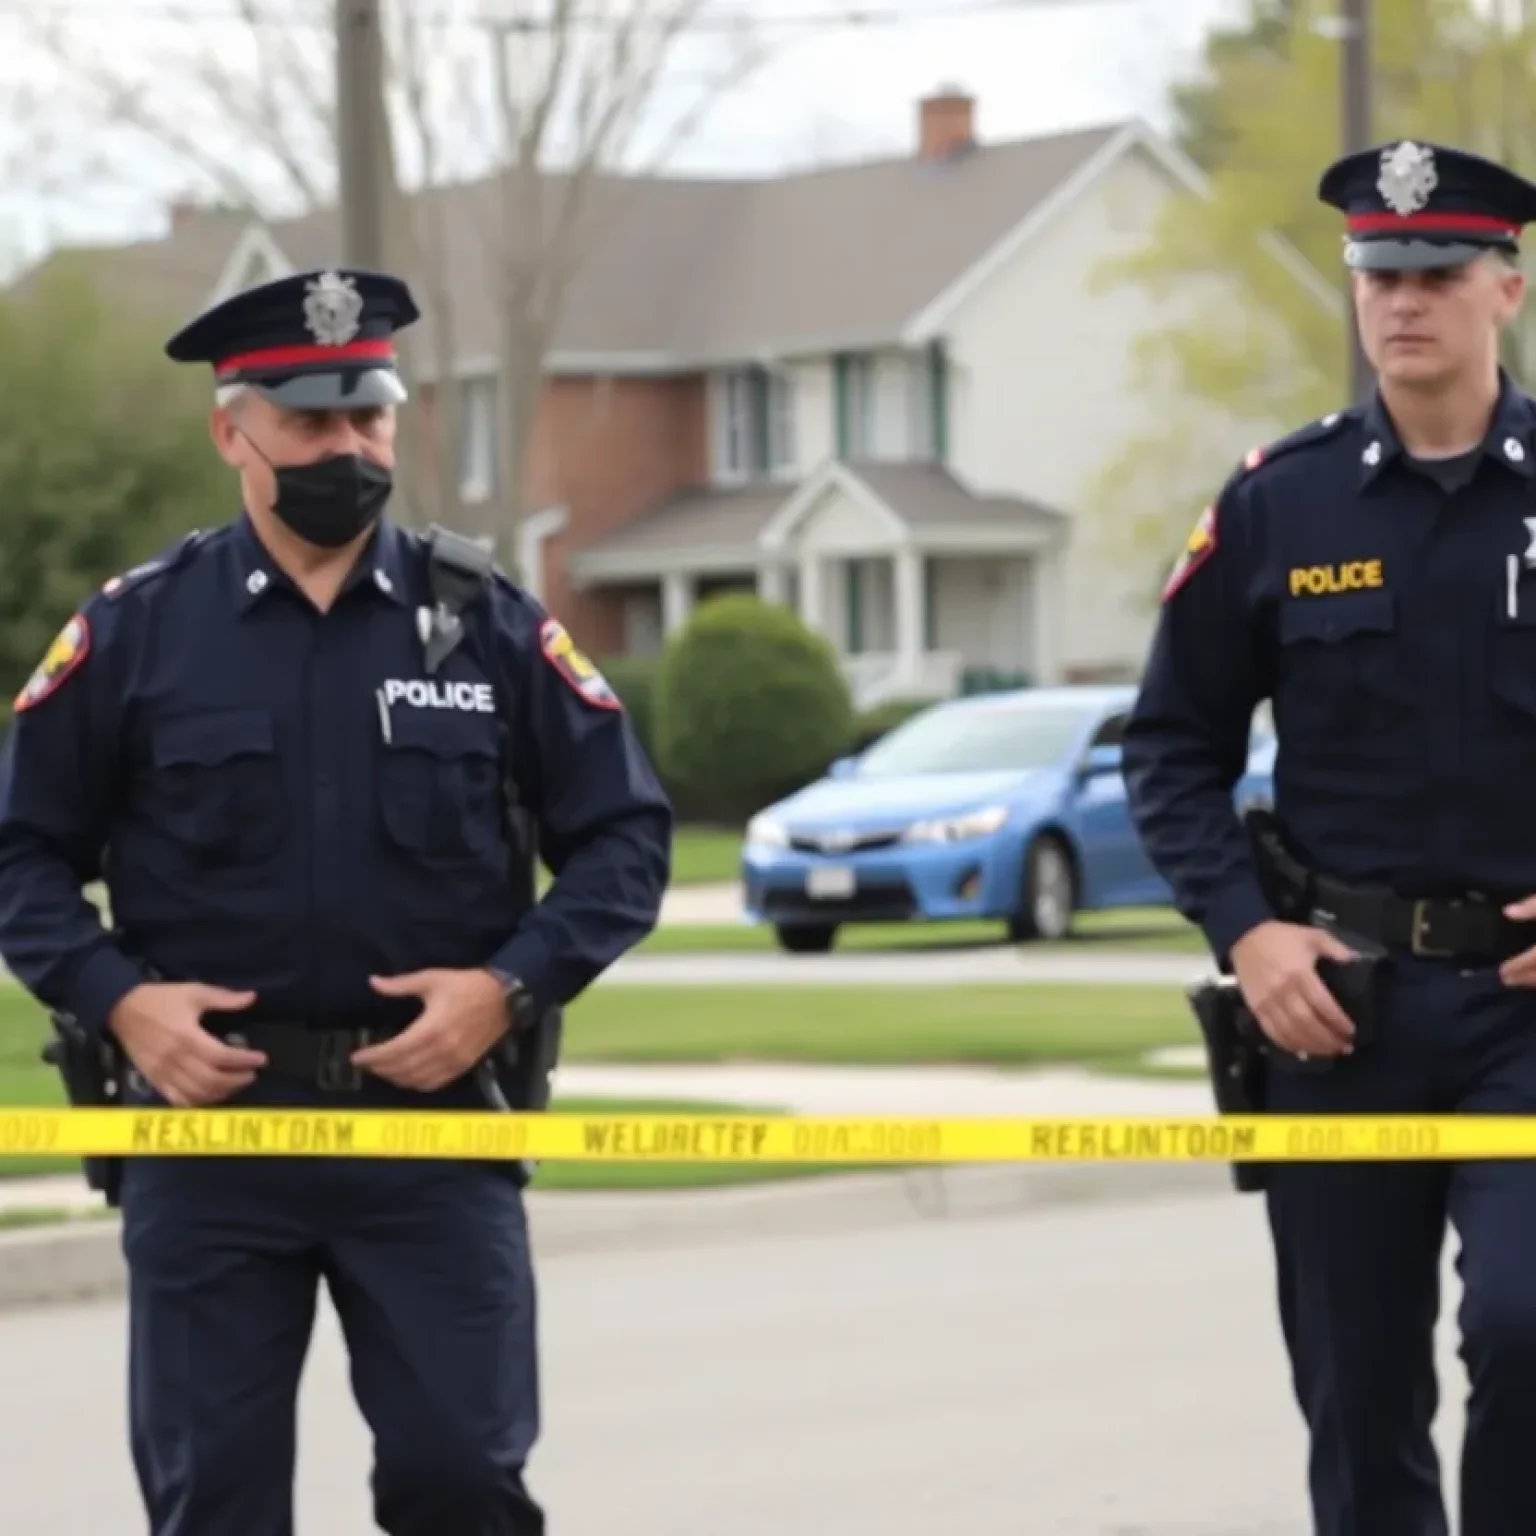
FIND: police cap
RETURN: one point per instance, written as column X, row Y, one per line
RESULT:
column 313, row 341
column 1411, row 206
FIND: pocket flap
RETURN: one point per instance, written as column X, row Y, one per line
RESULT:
column 444, row 733
column 207, row 740
column 1337, row 617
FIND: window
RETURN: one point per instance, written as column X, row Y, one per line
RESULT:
column 754, row 423
column 478, row 402
column 919, row 392
column 856, row 408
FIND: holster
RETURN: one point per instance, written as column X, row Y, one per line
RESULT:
column 1241, row 1058
column 92, row 1070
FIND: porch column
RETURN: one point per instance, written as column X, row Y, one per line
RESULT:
column 910, row 626
column 676, row 600
column 770, row 582
column 812, row 598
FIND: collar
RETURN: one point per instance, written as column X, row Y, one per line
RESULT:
column 1508, row 440
column 379, row 565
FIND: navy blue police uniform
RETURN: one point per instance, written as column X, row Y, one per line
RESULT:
column 290, row 802
column 1387, row 609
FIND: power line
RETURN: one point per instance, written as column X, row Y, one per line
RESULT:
column 735, row 21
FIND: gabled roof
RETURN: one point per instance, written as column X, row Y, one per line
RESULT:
column 708, row 528
column 689, row 271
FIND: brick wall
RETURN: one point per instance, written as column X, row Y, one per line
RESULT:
column 607, row 450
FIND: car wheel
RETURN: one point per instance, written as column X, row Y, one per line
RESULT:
column 1049, row 895
column 805, row 939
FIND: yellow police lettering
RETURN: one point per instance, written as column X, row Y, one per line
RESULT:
column 1320, row 580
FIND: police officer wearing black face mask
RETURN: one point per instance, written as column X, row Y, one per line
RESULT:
column 1374, row 575
column 294, row 796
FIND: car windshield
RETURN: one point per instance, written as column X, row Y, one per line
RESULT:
column 976, row 738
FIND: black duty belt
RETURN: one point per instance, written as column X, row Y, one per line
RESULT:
column 319, row 1056
column 1469, row 927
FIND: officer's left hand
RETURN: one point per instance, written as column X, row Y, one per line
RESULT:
column 465, row 1015
column 1520, row 970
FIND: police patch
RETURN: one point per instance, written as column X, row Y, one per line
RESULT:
column 1198, row 548
column 70, row 647
column 572, row 664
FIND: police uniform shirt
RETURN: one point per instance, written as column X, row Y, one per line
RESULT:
column 285, row 801
column 1389, row 609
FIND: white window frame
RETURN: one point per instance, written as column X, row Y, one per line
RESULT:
column 783, row 457
column 919, row 392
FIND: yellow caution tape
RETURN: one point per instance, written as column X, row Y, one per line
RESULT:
column 728, row 1138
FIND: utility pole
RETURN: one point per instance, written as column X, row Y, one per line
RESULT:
column 1355, row 86
column 360, row 139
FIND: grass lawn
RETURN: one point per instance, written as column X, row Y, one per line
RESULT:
column 1133, row 929
column 1107, row 1028
column 700, row 856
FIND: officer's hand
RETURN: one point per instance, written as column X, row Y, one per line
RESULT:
column 1276, row 968
column 465, row 1015
column 1520, row 970
column 160, row 1026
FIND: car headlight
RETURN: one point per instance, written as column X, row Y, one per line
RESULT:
column 765, row 832
column 958, row 829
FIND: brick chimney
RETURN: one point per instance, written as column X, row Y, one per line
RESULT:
column 946, row 124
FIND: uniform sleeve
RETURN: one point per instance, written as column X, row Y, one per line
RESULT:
column 58, row 791
column 604, row 820
column 1186, row 744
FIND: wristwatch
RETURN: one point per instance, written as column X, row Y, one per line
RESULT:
column 519, row 1001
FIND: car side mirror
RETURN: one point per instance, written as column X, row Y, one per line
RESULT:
column 1099, row 761
column 843, row 768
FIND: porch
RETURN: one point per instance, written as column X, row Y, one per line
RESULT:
column 916, row 606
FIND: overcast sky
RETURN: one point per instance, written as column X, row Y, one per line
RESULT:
column 835, row 90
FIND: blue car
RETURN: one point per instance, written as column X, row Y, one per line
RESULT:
column 1007, row 807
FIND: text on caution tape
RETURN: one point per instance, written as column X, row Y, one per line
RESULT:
column 700, row 1138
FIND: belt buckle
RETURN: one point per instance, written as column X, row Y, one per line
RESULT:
column 338, row 1073
column 1419, row 927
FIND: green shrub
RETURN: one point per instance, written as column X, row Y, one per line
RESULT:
column 633, row 678
column 874, row 723
column 750, row 704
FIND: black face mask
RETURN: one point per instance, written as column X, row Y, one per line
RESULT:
column 329, row 503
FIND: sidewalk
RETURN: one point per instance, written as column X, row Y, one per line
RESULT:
column 899, row 1091
column 702, row 906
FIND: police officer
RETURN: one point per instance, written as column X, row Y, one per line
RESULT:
column 301, row 828
column 1374, row 575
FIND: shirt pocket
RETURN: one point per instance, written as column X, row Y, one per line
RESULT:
column 440, row 795
column 1512, row 669
column 1343, row 675
column 218, row 783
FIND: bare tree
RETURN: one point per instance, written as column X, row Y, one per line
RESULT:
column 504, row 132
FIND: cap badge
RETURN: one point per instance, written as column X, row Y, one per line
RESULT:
column 332, row 309
column 1408, row 176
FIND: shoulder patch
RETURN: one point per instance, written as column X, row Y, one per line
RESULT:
column 1198, row 548
column 62, row 659
column 561, row 652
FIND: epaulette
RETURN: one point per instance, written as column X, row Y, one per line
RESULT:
column 178, row 554
column 1318, row 431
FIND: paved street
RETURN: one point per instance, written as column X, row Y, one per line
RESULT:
column 936, row 967
column 1057, row 1371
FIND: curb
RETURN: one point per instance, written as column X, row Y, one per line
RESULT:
column 82, row 1260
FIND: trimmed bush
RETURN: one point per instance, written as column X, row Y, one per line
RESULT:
column 633, row 679
column 750, row 704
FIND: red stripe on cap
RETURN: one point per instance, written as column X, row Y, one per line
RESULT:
column 299, row 357
column 1431, row 223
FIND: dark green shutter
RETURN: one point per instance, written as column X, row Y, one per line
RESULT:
column 938, row 399
column 853, row 612
column 840, row 401
column 759, row 395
